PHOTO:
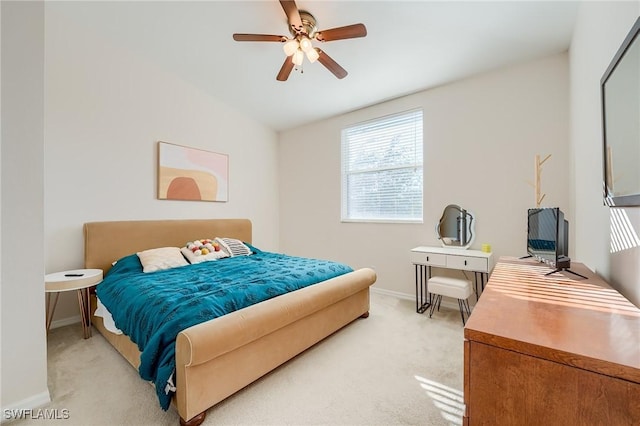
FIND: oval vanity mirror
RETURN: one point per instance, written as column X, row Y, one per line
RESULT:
column 456, row 227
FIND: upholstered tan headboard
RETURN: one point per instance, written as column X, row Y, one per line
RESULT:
column 106, row 242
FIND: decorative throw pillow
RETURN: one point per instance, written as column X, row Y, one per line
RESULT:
column 194, row 258
column 233, row 247
column 161, row 258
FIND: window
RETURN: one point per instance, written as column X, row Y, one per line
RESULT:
column 382, row 169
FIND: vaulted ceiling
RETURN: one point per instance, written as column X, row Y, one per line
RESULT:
column 410, row 46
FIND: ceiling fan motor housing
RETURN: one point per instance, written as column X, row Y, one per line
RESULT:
column 303, row 29
column 309, row 25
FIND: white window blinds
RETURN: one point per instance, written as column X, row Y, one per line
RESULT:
column 382, row 169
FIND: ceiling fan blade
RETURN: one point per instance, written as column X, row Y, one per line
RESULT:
column 258, row 37
column 330, row 64
column 287, row 66
column 341, row 33
column 293, row 16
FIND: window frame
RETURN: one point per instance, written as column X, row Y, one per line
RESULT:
column 344, row 172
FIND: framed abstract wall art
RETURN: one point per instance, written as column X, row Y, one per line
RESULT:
column 192, row 174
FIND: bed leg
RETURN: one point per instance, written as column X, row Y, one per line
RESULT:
column 197, row 420
column 365, row 315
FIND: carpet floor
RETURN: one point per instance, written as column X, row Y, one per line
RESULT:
column 396, row 367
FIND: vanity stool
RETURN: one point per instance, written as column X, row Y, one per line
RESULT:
column 450, row 287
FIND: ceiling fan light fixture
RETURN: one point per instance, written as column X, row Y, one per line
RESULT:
column 303, row 28
column 290, row 47
column 298, row 57
column 305, row 44
column 312, row 55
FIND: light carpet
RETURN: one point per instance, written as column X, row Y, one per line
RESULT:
column 396, row 367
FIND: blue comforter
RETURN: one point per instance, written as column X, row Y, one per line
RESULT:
column 152, row 308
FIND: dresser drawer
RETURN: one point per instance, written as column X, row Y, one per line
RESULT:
column 468, row 263
column 433, row 259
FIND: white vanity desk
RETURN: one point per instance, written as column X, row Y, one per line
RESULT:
column 424, row 258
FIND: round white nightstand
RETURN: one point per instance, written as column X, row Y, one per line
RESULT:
column 80, row 280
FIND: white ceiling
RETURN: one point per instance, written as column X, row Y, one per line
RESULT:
column 410, row 46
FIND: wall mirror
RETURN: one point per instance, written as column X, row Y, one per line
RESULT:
column 456, row 227
column 620, row 91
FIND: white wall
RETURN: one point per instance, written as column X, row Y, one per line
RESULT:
column 481, row 136
column 105, row 110
column 600, row 30
column 24, row 350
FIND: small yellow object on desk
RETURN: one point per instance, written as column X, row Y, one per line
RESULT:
column 486, row 248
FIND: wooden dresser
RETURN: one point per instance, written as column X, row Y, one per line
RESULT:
column 551, row 350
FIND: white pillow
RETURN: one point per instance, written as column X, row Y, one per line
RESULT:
column 193, row 258
column 233, row 247
column 161, row 258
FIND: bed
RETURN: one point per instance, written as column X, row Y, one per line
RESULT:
column 217, row 358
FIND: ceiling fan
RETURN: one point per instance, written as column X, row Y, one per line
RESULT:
column 302, row 26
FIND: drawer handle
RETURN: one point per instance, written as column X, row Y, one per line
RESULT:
column 465, row 263
column 427, row 258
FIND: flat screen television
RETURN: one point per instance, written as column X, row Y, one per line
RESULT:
column 620, row 92
column 546, row 235
column 548, row 238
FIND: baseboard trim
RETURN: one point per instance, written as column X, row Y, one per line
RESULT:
column 35, row 401
column 65, row 321
column 397, row 294
column 446, row 302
